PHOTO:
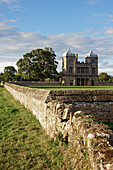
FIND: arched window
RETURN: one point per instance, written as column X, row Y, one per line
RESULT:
column 87, row 82
column 71, row 82
column 82, row 82
column 92, row 82
column 78, row 82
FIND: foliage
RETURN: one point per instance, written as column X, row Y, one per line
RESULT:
column 49, row 80
column 110, row 78
column 9, row 74
column 8, row 77
column 10, row 69
column 103, row 77
column 1, row 75
column 23, row 142
column 59, row 76
column 38, row 64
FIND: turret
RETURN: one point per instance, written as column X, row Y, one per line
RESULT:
column 91, row 57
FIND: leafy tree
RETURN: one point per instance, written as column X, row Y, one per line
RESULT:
column 10, row 69
column 7, row 77
column 1, row 75
column 38, row 64
column 103, row 77
column 59, row 76
column 9, row 74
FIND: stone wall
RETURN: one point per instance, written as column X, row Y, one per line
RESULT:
column 99, row 103
column 36, row 83
column 105, row 83
column 73, row 114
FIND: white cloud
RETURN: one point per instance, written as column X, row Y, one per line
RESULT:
column 106, row 67
column 11, row 4
column 109, row 30
column 8, row 1
column 105, row 17
column 93, row 2
column 14, row 44
column 4, row 61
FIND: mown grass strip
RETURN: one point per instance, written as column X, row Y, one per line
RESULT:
column 73, row 87
column 23, row 142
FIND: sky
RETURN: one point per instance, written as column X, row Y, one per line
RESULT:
column 81, row 25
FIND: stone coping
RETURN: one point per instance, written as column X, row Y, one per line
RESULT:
column 66, row 95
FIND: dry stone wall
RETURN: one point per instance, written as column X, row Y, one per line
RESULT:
column 98, row 103
column 105, row 83
column 73, row 114
column 36, row 83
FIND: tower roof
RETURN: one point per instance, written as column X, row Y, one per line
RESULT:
column 69, row 53
column 91, row 54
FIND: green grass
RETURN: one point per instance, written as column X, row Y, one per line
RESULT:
column 23, row 142
column 110, row 125
column 74, row 87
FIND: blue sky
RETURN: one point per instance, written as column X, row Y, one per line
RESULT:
column 81, row 25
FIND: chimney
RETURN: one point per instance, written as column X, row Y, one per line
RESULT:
column 76, row 57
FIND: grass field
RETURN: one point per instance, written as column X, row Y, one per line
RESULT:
column 23, row 142
column 74, row 87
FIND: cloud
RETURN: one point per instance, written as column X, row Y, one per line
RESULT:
column 7, row 1
column 109, row 30
column 106, row 67
column 93, row 2
column 14, row 44
column 11, row 4
column 105, row 17
column 7, row 62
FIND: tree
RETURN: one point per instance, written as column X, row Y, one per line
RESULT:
column 59, row 76
column 1, row 75
column 11, row 70
column 110, row 78
column 9, row 74
column 38, row 64
column 103, row 77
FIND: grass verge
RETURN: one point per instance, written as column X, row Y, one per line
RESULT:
column 23, row 142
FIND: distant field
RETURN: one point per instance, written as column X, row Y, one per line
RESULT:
column 73, row 87
column 23, row 143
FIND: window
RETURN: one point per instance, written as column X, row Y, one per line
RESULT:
column 87, row 70
column 70, row 69
column 78, row 70
column 93, row 70
column 71, row 82
column 82, row 70
column 70, row 60
column 93, row 60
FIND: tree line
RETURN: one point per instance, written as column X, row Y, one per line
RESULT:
column 39, row 65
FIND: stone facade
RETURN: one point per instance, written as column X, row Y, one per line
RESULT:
column 59, row 112
column 80, row 73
